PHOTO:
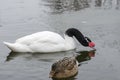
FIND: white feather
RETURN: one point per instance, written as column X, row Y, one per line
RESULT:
column 44, row 41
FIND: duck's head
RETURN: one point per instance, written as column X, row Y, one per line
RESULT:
column 54, row 70
column 90, row 43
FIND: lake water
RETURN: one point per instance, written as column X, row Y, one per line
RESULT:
column 98, row 19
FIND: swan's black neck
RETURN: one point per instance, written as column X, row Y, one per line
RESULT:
column 78, row 35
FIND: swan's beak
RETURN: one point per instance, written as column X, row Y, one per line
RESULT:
column 91, row 44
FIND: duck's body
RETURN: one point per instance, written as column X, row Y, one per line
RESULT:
column 47, row 41
column 64, row 68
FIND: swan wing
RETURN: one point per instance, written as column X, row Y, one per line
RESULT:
column 45, row 41
column 41, row 37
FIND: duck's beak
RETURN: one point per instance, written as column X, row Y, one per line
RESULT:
column 51, row 74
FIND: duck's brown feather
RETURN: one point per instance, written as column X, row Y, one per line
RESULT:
column 64, row 68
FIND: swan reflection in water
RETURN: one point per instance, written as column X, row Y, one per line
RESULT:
column 85, row 55
column 81, row 56
column 51, row 57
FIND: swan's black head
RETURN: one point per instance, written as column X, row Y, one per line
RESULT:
column 90, row 43
column 85, row 41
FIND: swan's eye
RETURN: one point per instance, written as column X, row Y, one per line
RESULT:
column 88, row 39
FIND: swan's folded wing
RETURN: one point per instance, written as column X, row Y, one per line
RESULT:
column 41, row 37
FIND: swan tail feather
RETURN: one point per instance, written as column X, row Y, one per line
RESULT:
column 9, row 45
column 16, row 47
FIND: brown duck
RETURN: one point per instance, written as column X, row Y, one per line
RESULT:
column 67, row 67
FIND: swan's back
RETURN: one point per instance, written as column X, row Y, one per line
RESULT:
column 41, row 37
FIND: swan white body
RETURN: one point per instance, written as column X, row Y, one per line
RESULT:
column 44, row 41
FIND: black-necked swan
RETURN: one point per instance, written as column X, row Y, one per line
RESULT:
column 47, row 41
column 64, row 68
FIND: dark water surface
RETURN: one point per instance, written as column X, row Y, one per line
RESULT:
column 98, row 19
